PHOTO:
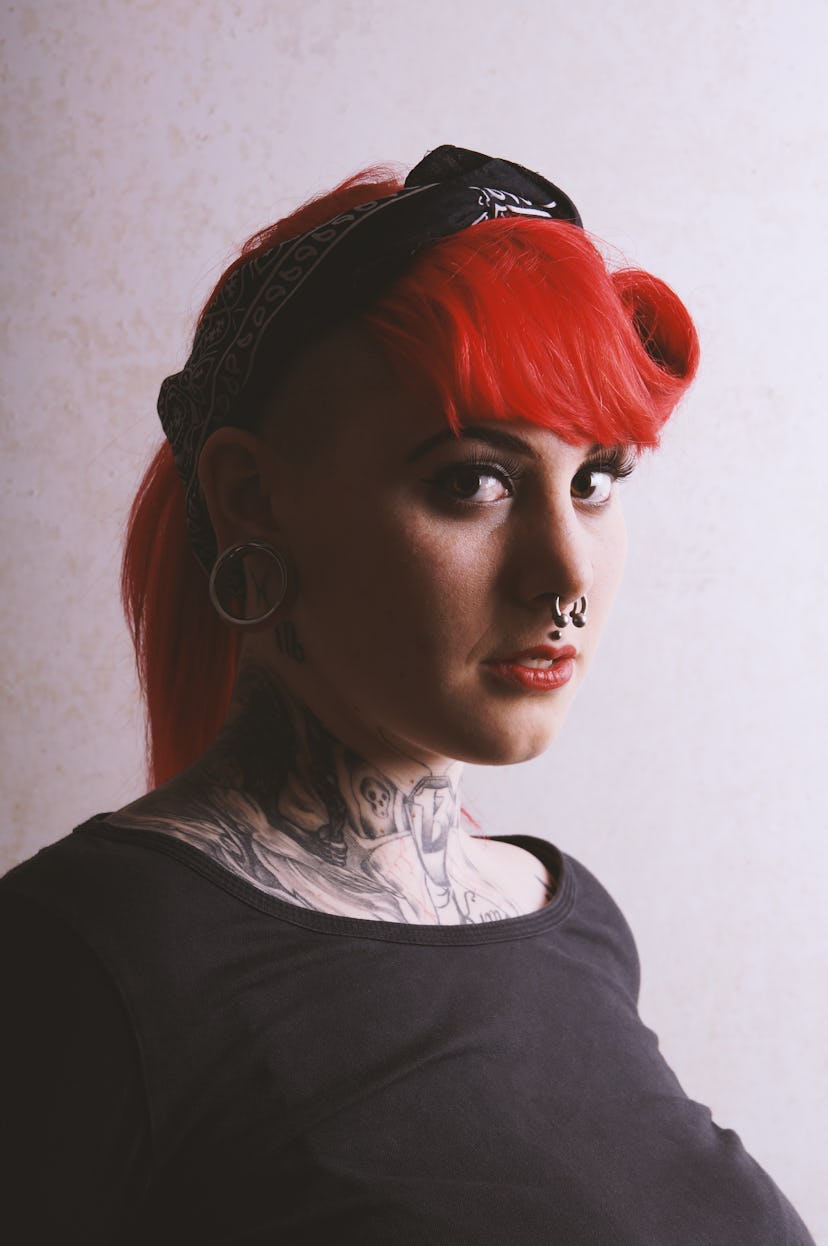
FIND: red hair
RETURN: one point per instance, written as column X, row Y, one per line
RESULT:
column 516, row 318
column 519, row 318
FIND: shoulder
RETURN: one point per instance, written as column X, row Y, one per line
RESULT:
column 594, row 928
column 78, row 873
column 131, row 903
column 70, row 1066
column 602, row 927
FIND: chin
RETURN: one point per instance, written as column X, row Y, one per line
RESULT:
column 509, row 744
column 524, row 750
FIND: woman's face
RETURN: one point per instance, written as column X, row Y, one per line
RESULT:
column 427, row 565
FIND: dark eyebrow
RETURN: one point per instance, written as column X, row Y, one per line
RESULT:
column 474, row 432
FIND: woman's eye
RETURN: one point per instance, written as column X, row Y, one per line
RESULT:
column 467, row 483
column 593, row 486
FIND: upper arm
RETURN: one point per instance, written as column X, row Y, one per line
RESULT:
column 75, row 1119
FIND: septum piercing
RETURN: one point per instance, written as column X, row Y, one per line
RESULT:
column 577, row 615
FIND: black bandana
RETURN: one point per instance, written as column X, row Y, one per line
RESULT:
column 279, row 302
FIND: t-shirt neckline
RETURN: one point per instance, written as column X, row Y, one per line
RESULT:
column 502, row 930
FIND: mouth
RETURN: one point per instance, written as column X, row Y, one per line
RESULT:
column 540, row 669
column 540, row 657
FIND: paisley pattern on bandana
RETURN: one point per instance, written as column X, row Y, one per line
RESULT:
column 205, row 395
column 278, row 302
column 497, row 203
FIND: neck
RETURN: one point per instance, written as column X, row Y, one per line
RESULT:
column 278, row 799
column 317, row 789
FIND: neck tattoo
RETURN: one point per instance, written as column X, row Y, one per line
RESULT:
column 280, row 802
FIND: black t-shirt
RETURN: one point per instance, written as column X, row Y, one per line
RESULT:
column 190, row 1060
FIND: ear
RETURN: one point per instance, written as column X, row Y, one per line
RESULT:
column 238, row 475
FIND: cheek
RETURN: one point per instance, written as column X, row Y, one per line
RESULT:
column 608, row 567
column 620, row 552
column 377, row 573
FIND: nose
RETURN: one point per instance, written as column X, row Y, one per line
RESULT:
column 556, row 559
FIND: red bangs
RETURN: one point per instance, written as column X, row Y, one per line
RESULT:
column 521, row 319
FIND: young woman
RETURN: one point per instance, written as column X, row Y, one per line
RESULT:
column 289, row 995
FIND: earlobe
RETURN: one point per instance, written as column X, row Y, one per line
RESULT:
column 236, row 471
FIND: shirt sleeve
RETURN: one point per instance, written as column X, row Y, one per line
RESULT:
column 75, row 1121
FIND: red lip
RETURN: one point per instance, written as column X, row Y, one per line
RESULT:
column 533, row 678
column 552, row 653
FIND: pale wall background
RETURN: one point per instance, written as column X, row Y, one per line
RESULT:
column 145, row 140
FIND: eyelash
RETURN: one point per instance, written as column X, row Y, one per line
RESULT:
column 488, row 463
column 615, row 461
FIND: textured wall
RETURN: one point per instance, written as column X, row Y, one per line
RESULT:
column 144, row 140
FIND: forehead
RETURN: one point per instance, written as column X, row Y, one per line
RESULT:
column 342, row 388
column 342, row 397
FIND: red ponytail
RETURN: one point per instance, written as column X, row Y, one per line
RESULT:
column 186, row 657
